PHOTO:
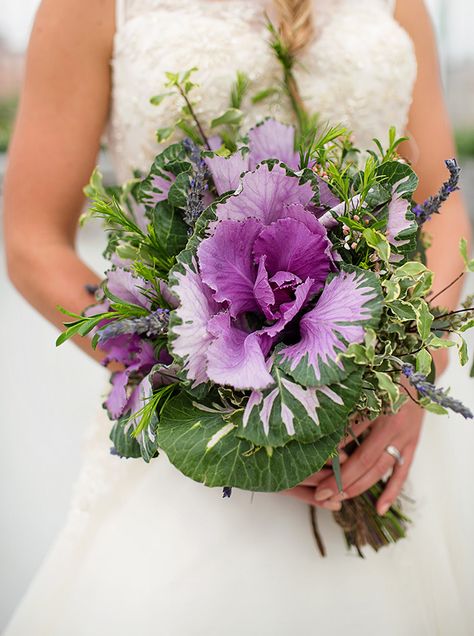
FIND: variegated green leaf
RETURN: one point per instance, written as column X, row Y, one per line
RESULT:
column 204, row 446
column 288, row 411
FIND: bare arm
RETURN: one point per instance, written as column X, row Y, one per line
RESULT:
column 431, row 143
column 63, row 110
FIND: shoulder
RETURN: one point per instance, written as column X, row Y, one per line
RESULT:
column 72, row 26
column 414, row 17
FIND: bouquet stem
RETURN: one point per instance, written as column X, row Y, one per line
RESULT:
column 362, row 525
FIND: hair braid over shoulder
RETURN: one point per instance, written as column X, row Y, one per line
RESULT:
column 296, row 23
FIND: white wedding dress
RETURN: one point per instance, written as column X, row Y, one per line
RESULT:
column 147, row 551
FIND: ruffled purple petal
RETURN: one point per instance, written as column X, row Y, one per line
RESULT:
column 215, row 142
column 121, row 349
column 190, row 338
column 144, row 359
column 226, row 171
column 167, row 295
column 328, row 219
column 290, row 247
column 326, row 329
column 265, row 195
column 160, row 187
column 235, row 358
column 397, row 220
column 122, row 284
column 263, row 291
column 227, row 265
column 117, row 398
column 300, row 213
column 273, row 140
column 99, row 308
column 326, row 198
column 289, row 309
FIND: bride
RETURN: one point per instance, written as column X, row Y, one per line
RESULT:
column 146, row 550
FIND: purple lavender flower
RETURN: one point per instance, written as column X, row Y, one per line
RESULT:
column 429, row 390
column 197, row 200
column 155, row 324
column 425, row 211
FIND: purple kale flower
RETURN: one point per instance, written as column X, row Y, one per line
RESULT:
column 138, row 357
column 258, row 280
column 124, row 341
column 268, row 140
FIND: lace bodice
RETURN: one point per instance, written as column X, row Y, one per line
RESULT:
column 359, row 70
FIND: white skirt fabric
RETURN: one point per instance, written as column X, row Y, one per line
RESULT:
column 149, row 552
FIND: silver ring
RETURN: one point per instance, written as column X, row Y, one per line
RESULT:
column 394, row 452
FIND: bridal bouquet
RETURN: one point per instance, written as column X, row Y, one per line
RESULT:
column 266, row 289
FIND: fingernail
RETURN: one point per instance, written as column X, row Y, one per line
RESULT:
column 384, row 509
column 339, row 496
column 325, row 493
column 334, row 506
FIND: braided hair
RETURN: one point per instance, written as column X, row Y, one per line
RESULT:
column 296, row 23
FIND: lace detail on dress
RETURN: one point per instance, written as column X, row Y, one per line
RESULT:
column 358, row 71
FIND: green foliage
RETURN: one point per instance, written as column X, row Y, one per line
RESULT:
column 239, row 90
column 390, row 154
column 170, row 231
column 313, row 142
column 187, row 121
column 204, row 446
column 468, row 262
column 125, row 445
column 465, row 142
column 8, row 108
column 315, row 412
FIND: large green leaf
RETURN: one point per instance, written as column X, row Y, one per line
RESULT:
column 205, row 447
column 125, row 445
column 288, row 411
column 395, row 172
column 170, row 230
column 173, row 159
column 178, row 194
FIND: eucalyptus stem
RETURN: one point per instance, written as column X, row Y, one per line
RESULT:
column 453, row 313
column 315, row 529
column 447, row 287
column 194, row 116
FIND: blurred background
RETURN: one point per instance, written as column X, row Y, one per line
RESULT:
column 40, row 456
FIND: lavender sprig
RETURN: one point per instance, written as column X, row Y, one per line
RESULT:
column 199, row 184
column 425, row 211
column 155, row 324
column 429, row 390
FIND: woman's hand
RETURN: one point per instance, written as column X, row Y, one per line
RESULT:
column 369, row 462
